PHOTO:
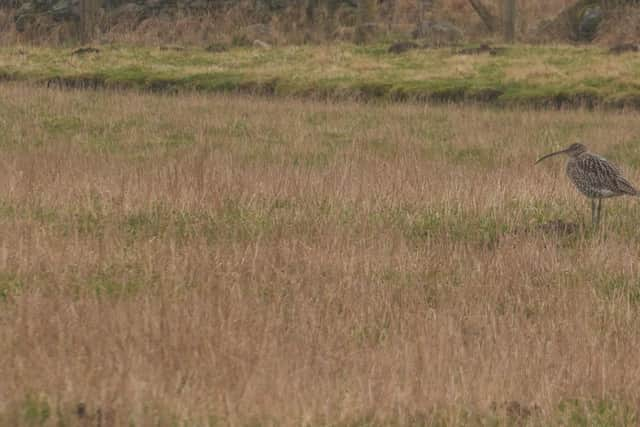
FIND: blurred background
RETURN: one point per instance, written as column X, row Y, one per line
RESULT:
column 279, row 22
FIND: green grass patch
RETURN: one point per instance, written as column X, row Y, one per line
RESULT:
column 10, row 285
column 618, row 287
column 40, row 409
column 483, row 228
column 603, row 412
column 114, row 282
column 541, row 75
column 36, row 410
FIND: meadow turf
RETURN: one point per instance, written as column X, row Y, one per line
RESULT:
column 517, row 75
column 226, row 260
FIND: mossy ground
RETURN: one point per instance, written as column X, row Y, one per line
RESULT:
column 520, row 74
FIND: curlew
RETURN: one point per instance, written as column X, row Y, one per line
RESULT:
column 594, row 176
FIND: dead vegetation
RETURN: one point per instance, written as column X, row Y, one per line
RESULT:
column 293, row 24
column 222, row 260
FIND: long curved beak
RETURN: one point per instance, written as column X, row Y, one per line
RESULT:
column 549, row 155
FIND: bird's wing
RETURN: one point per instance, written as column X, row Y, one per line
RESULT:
column 626, row 187
column 605, row 175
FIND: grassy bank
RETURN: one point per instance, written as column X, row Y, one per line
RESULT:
column 225, row 260
column 551, row 76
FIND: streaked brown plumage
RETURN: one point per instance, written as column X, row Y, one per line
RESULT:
column 594, row 176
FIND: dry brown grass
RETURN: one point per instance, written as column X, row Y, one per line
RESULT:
column 239, row 260
column 529, row 12
column 290, row 26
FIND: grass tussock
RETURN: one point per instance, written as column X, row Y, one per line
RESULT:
column 217, row 260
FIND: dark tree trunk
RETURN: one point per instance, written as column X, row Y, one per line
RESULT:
column 509, row 20
column 366, row 20
column 489, row 19
column 88, row 19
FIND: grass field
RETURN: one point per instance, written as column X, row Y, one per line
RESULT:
column 529, row 75
column 221, row 260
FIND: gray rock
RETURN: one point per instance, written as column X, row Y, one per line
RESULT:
column 24, row 15
column 26, row 8
column 58, row 9
column 261, row 45
column 64, row 9
column 589, row 21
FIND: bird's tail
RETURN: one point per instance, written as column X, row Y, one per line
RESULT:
column 626, row 187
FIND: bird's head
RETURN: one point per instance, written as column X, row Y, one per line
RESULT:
column 574, row 150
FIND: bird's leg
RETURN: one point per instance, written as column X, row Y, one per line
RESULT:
column 599, row 210
column 593, row 211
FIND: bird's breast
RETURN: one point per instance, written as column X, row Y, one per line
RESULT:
column 582, row 180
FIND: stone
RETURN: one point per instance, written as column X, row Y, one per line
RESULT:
column 23, row 15
column 64, row 9
column 26, row 8
column 261, row 45
column 589, row 21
